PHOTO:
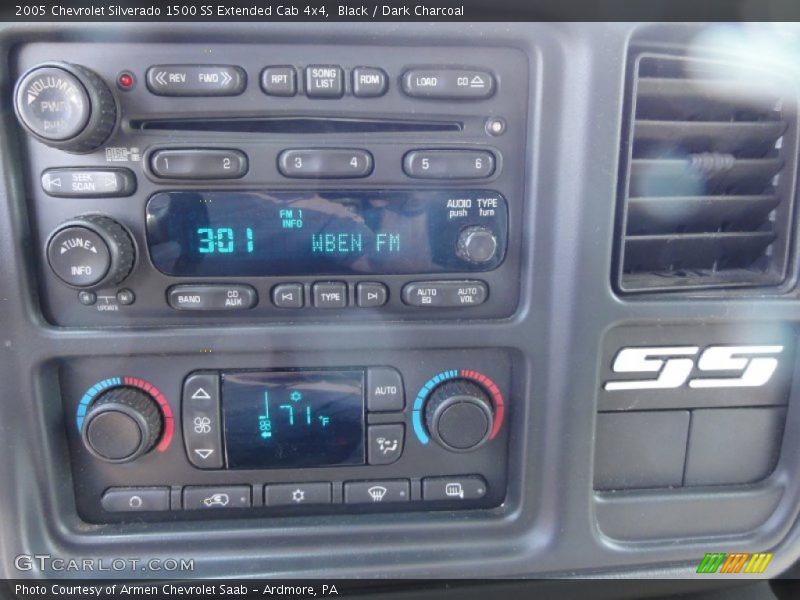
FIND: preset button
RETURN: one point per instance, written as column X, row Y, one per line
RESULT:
column 325, row 163
column 201, row 163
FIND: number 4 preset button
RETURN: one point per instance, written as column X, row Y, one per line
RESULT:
column 325, row 163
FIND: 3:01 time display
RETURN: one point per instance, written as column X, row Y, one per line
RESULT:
column 223, row 240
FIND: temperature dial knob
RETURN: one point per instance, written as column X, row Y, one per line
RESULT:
column 65, row 106
column 122, row 424
column 459, row 415
column 476, row 244
column 91, row 251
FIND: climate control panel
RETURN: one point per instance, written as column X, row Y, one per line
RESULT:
column 299, row 434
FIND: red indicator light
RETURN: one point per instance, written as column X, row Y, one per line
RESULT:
column 125, row 81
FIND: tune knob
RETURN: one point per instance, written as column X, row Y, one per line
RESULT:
column 459, row 415
column 90, row 251
column 476, row 244
column 65, row 106
column 122, row 424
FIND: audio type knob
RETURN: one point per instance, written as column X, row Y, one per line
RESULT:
column 476, row 244
column 122, row 424
column 65, row 106
column 459, row 415
column 90, row 251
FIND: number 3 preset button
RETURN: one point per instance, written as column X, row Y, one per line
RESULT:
column 325, row 163
column 199, row 163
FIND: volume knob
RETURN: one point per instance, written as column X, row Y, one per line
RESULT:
column 65, row 106
column 122, row 424
column 91, row 251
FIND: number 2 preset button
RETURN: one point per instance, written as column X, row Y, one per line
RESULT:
column 199, row 163
column 325, row 163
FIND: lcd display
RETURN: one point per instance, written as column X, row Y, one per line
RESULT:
column 277, row 420
column 238, row 234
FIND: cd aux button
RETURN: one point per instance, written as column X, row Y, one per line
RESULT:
column 212, row 297
column 201, row 163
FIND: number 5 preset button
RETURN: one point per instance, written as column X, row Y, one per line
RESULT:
column 325, row 163
column 199, row 163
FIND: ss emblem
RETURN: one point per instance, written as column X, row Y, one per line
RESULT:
column 673, row 365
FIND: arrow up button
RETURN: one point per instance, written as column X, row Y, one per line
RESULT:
column 200, row 415
column 196, row 80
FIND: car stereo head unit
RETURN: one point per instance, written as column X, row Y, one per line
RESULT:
column 299, row 187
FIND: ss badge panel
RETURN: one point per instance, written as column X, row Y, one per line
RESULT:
column 696, row 366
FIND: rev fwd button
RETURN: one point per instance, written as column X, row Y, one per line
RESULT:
column 212, row 297
column 196, row 80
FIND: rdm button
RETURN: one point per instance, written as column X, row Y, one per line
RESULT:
column 212, row 297
column 445, row 294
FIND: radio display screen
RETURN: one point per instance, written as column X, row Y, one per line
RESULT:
column 287, row 419
column 235, row 234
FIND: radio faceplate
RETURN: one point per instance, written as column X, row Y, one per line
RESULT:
column 417, row 134
column 423, row 430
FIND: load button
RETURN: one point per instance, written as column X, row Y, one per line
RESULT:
column 445, row 294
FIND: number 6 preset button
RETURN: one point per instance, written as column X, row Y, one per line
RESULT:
column 325, row 163
column 199, row 163
column 449, row 164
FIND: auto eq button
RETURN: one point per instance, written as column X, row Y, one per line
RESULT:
column 212, row 297
column 445, row 294
column 88, row 182
column 196, row 80
column 451, row 84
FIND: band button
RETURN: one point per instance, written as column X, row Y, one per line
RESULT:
column 212, row 297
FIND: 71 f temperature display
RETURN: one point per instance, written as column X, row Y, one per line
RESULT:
column 293, row 418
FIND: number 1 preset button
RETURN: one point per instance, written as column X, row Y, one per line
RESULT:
column 325, row 163
column 199, row 163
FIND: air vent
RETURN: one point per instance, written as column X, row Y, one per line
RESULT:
column 707, row 191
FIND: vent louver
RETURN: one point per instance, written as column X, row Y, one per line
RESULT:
column 707, row 190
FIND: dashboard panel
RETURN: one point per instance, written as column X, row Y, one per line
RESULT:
column 418, row 294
